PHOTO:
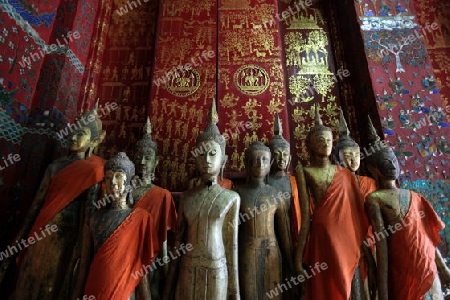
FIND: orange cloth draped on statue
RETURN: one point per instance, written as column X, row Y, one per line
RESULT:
column 159, row 203
column 296, row 219
column 225, row 183
column 412, row 250
column 338, row 227
column 130, row 248
column 367, row 185
column 68, row 184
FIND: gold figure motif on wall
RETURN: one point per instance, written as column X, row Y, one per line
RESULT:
column 251, row 79
column 184, row 85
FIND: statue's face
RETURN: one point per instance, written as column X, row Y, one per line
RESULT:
column 79, row 140
column 145, row 163
column 259, row 163
column 281, row 157
column 210, row 160
column 115, row 183
column 389, row 168
column 350, row 157
column 322, row 143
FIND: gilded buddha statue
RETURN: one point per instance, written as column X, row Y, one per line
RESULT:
column 406, row 234
column 49, row 268
column 205, row 218
column 264, row 229
column 333, row 223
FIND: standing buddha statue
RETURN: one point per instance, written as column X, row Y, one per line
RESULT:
column 205, row 223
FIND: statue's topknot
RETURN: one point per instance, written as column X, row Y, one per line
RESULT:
column 211, row 132
column 121, row 162
column 318, row 126
column 278, row 141
column 95, row 126
column 146, row 144
column 345, row 141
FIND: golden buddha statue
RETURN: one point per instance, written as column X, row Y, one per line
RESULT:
column 125, row 240
column 49, row 268
column 333, row 225
column 406, row 234
column 348, row 155
column 205, row 217
column 154, row 199
column 264, row 229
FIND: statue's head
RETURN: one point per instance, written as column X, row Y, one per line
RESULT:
column 210, row 146
column 257, row 160
column 280, row 148
column 118, row 173
column 88, row 133
column 146, row 155
column 319, row 140
column 346, row 151
column 383, row 163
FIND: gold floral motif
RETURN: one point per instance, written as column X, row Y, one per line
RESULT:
column 251, row 79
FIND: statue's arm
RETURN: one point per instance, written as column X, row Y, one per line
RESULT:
column 303, row 197
column 377, row 221
column 29, row 220
column 372, row 271
column 443, row 270
column 174, row 266
column 284, row 232
column 143, row 292
column 230, row 235
column 86, row 250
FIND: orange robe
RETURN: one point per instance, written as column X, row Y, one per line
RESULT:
column 68, row 184
column 412, row 250
column 130, row 247
column 338, row 228
column 367, row 185
column 296, row 219
column 225, row 183
column 159, row 203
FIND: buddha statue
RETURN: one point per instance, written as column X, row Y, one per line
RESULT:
column 406, row 234
column 125, row 240
column 206, row 216
column 348, row 155
column 333, row 224
column 49, row 268
column 154, row 199
column 264, row 229
column 279, row 177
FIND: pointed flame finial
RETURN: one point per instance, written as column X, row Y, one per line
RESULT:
column 277, row 128
column 318, row 120
column 373, row 135
column 343, row 128
column 213, row 117
column 148, row 127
